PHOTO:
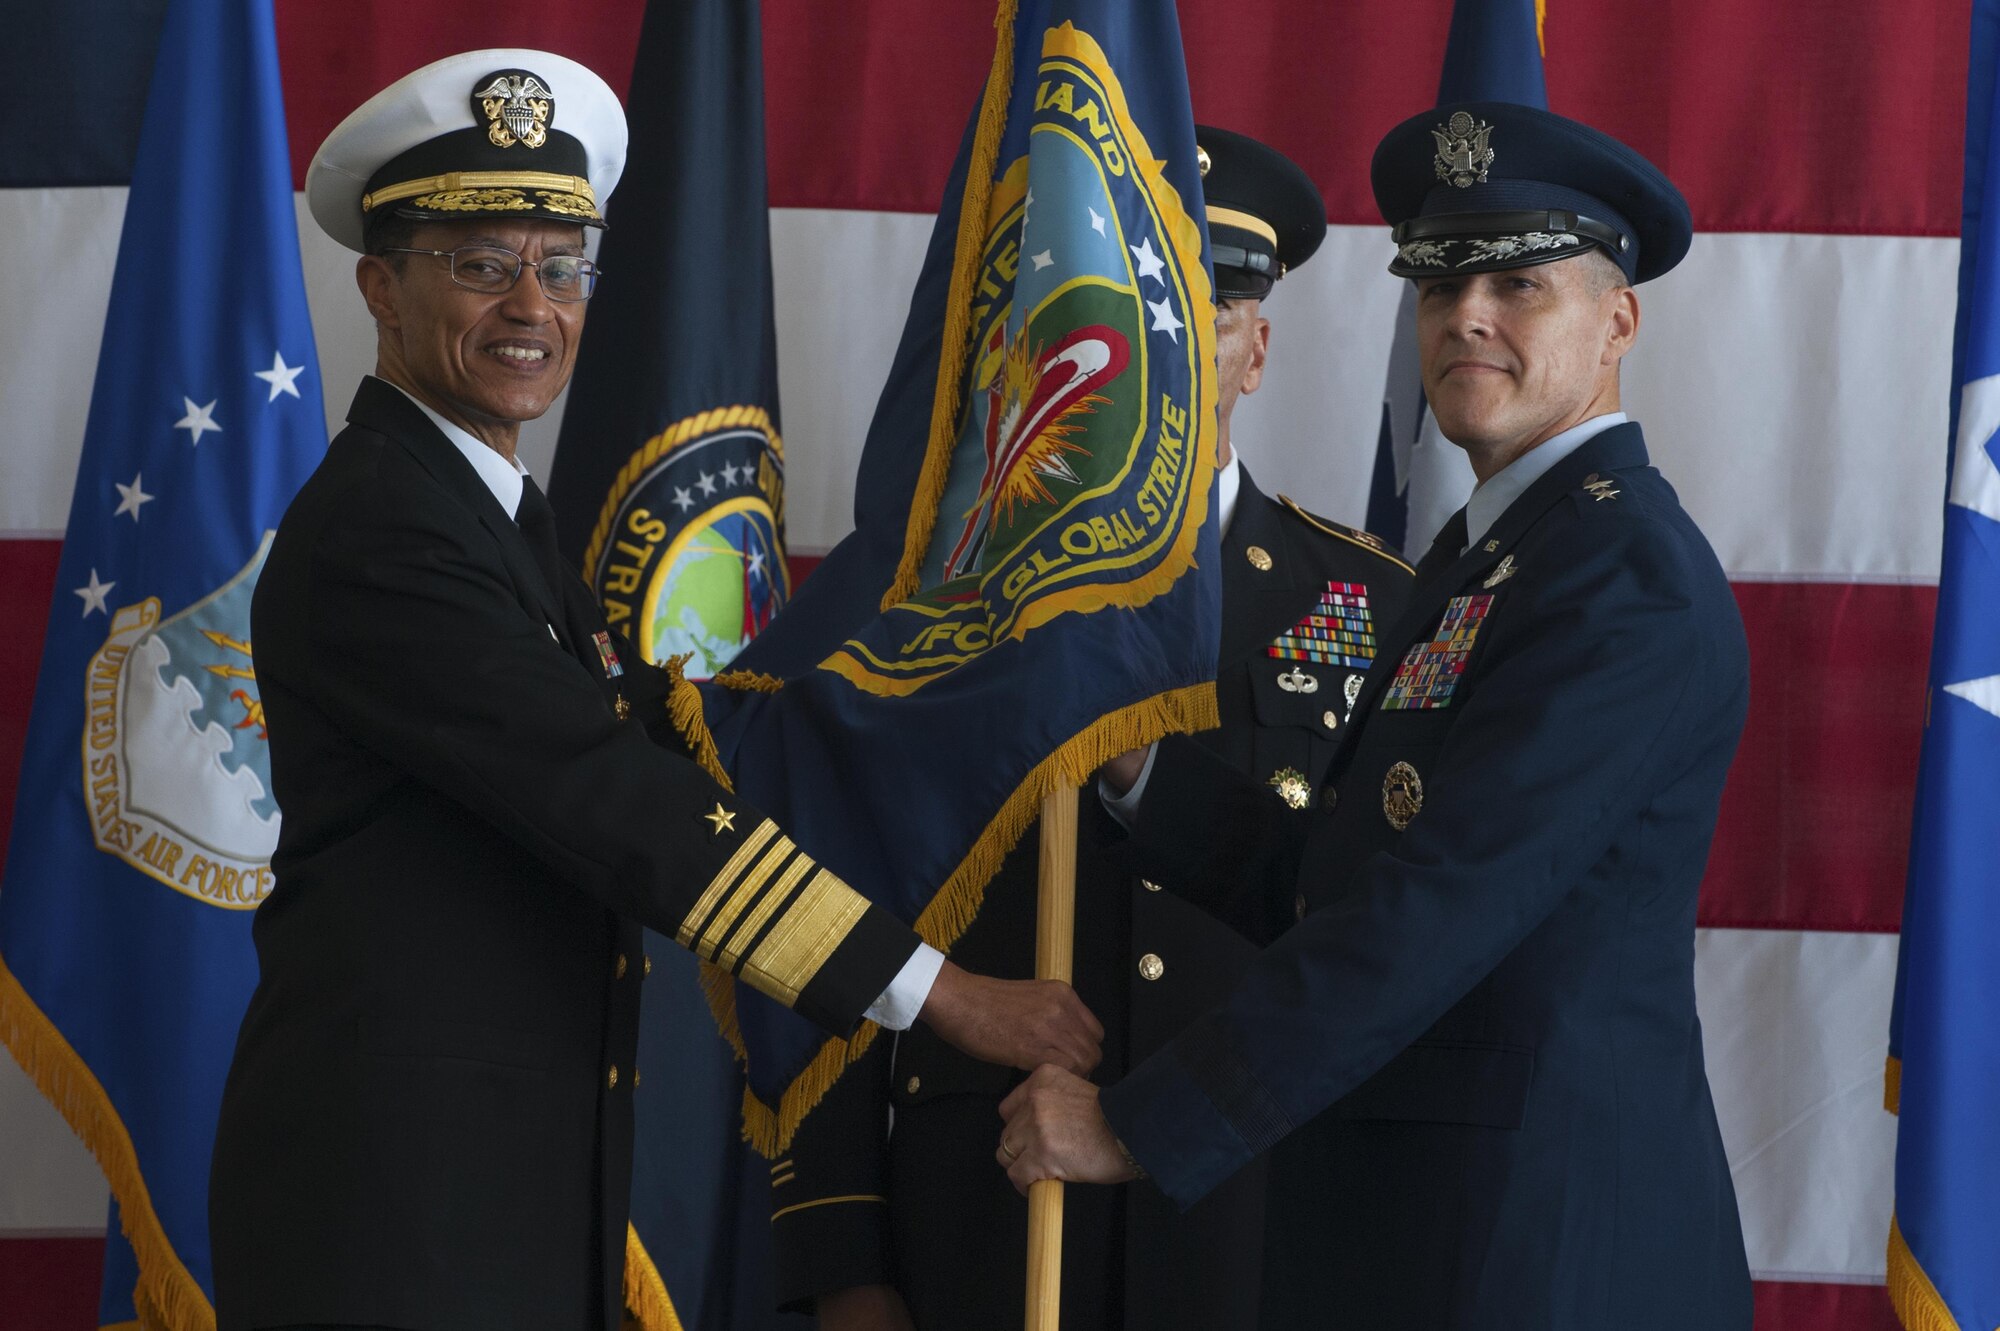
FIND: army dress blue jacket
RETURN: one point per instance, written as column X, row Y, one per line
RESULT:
column 1476, row 1053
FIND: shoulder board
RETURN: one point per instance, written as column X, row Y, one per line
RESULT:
column 1353, row 536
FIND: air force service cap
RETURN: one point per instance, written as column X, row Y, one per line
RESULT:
column 1265, row 215
column 1476, row 187
column 497, row 133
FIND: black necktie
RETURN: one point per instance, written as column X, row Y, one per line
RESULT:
column 1445, row 550
column 537, row 522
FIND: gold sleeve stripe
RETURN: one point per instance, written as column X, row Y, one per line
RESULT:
column 719, row 926
column 785, row 1177
column 786, row 960
column 753, row 922
column 784, row 1164
column 705, row 905
column 828, row 1201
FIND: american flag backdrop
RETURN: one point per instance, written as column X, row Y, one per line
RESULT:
column 1792, row 376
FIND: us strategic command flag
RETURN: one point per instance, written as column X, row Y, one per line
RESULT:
column 144, row 827
column 1492, row 54
column 1031, row 588
column 668, row 488
column 1944, row 1038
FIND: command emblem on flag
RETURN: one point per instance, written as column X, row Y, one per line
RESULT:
column 176, row 770
column 686, row 555
column 1077, row 473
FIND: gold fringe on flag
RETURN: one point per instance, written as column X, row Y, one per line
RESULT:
column 647, row 1306
column 167, row 1296
column 1911, row 1292
column 1892, row 1085
column 958, row 309
column 684, row 710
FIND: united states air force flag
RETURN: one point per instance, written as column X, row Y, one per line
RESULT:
column 1493, row 54
column 1031, row 586
column 144, row 827
column 1944, row 1041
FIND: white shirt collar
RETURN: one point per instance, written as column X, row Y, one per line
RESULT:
column 1228, row 483
column 1501, row 489
column 503, row 478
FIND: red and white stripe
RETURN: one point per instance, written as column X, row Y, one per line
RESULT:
column 1791, row 376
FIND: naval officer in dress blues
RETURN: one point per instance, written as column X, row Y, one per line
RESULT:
column 427, row 1125
column 1477, row 1054
column 880, row 1231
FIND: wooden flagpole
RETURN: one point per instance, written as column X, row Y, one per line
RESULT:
column 1055, row 939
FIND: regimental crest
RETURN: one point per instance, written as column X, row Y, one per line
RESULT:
column 176, row 766
column 1464, row 153
column 688, row 553
column 517, row 107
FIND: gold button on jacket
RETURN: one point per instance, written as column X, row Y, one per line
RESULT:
column 1151, row 967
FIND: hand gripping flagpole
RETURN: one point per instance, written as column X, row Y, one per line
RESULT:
column 1055, row 938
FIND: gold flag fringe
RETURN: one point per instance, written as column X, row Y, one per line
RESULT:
column 958, row 309
column 749, row 681
column 684, row 710
column 167, row 1296
column 647, row 1305
column 1892, row 1085
column 1911, row 1292
column 770, row 1130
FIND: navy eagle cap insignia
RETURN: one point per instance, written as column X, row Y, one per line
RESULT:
column 518, row 107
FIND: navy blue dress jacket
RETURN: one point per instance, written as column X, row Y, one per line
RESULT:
column 1477, row 1048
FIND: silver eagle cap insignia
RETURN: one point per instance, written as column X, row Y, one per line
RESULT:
column 1464, row 152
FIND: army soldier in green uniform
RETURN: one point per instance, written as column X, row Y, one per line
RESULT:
column 918, row 1226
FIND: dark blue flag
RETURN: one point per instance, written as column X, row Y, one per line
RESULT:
column 668, row 487
column 144, row 827
column 1944, row 1041
column 1031, row 586
column 1493, row 54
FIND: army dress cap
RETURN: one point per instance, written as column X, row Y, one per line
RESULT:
column 496, row 133
column 1265, row 215
column 1475, row 187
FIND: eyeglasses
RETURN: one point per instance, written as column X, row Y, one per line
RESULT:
column 490, row 270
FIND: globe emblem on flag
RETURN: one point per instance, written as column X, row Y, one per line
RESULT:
column 688, row 556
column 1073, row 473
column 176, row 763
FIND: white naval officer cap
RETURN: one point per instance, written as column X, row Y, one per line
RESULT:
column 496, row 133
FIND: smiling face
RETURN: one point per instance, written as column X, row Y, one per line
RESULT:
column 1513, row 358
column 485, row 362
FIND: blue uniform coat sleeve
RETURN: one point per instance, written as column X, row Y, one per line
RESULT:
column 1600, row 682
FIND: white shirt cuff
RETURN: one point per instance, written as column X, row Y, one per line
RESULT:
column 897, row 1008
column 1125, row 808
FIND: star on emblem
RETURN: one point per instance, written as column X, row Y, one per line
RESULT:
column 1150, row 264
column 730, row 472
column 682, row 499
column 1164, row 320
column 197, row 420
column 130, row 497
column 1096, row 220
column 282, row 377
column 723, row 820
column 756, row 562
column 93, row 595
column 706, row 484
column 1042, row 260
